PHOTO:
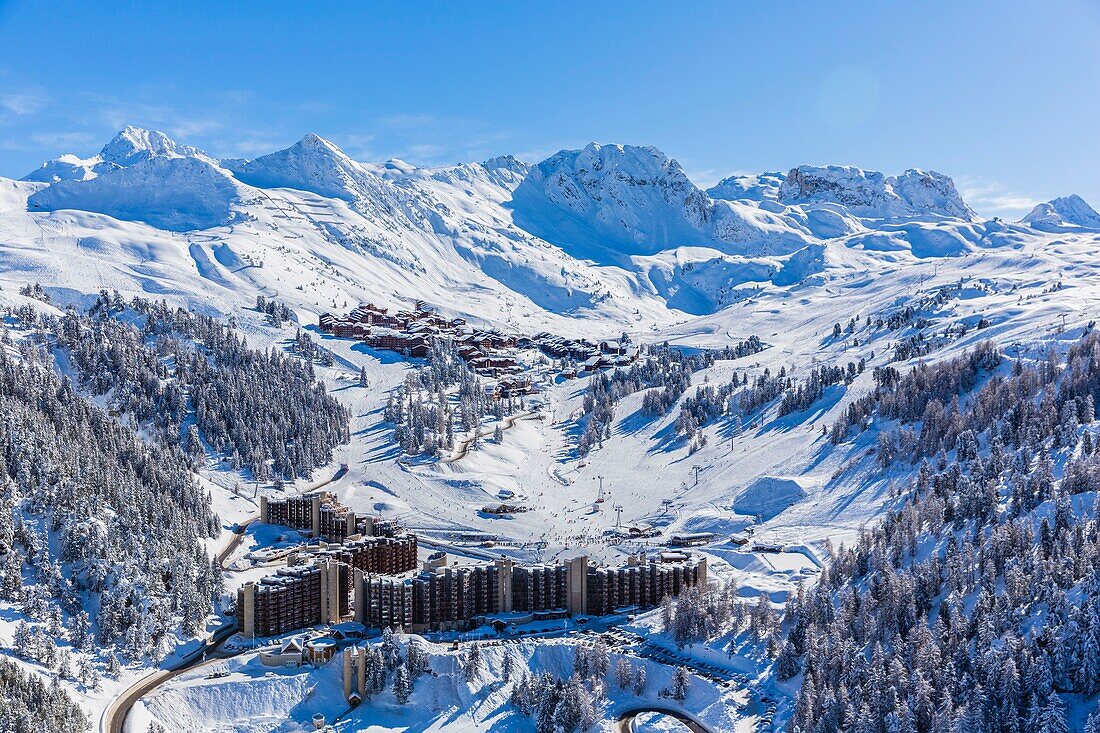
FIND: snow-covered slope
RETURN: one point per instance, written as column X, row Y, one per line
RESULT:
column 1065, row 211
column 761, row 187
column 311, row 164
column 172, row 193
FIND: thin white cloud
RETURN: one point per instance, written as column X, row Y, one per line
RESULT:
column 23, row 103
column 408, row 120
column 69, row 142
column 991, row 198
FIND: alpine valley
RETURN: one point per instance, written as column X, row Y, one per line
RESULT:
column 304, row 441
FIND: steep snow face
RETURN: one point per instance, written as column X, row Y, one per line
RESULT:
column 760, row 187
column 871, row 194
column 173, row 193
column 606, row 201
column 929, row 192
column 311, row 164
column 624, row 195
column 1065, row 211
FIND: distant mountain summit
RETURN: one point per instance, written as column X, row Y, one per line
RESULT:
column 874, row 195
column 750, row 187
column 134, row 144
column 311, row 164
column 131, row 145
column 1065, row 211
column 607, row 228
column 141, row 175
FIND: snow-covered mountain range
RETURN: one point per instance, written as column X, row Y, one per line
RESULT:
column 605, row 234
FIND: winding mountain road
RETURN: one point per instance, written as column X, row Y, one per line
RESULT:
column 625, row 722
column 114, row 717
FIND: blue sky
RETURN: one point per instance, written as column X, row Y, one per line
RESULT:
column 1004, row 96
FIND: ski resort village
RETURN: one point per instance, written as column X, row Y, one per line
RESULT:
column 302, row 436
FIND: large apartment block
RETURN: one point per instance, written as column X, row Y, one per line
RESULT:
column 367, row 566
column 376, row 555
column 295, row 597
column 460, row 596
column 322, row 515
column 318, row 590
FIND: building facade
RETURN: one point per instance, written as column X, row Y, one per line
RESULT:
column 446, row 597
column 318, row 590
column 295, row 597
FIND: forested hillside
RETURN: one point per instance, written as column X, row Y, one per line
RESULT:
column 125, row 515
column 28, row 705
column 975, row 606
column 192, row 379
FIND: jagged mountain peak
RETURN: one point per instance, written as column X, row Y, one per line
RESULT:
column 133, row 144
column 311, row 164
column 506, row 162
column 621, row 194
column 313, row 142
column 872, row 194
column 1071, row 211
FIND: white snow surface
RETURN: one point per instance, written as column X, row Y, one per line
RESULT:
column 1064, row 211
column 258, row 699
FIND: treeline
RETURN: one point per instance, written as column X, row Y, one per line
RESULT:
column 439, row 397
column 124, row 515
column 905, row 398
column 976, row 605
column 420, row 410
column 665, row 372
column 262, row 410
column 710, row 402
column 704, row 614
column 811, row 389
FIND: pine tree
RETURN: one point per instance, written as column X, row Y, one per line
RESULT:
column 639, row 682
column 22, row 642
column 473, row 665
column 1052, row 719
column 1092, row 725
column 624, row 673
column 402, row 688
column 600, row 659
column 681, row 680
column 363, row 380
column 113, row 667
column 787, row 664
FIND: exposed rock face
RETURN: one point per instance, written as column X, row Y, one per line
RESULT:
column 872, row 194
